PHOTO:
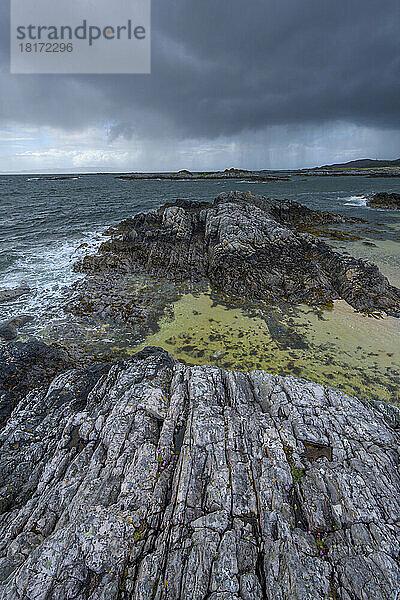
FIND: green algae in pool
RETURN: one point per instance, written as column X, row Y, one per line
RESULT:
column 339, row 348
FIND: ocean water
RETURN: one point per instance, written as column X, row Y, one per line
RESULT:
column 46, row 225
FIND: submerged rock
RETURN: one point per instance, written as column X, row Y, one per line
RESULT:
column 385, row 200
column 152, row 480
column 13, row 294
column 9, row 328
column 248, row 246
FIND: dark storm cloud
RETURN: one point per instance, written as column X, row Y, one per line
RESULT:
column 223, row 67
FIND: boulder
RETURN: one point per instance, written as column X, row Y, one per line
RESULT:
column 9, row 328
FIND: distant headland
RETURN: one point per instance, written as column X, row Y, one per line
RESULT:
column 363, row 167
column 364, row 163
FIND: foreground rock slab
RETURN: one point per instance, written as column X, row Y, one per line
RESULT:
column 248, row 246
column 152, row 480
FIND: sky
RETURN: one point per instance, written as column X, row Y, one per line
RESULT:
column 257, row 84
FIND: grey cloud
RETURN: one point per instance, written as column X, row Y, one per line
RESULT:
column 225, row 67
column 120, row 129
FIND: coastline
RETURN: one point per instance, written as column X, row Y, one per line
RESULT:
column 141, row 461
column 289, row 340
column 262, row 176
column 108, row 339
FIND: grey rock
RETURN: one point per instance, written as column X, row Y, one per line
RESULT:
column 13, row 294
column 9, row 328
column 248, row 246
column 152, row 480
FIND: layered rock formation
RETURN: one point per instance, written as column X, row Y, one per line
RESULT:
column 248, row 246
column 150, row 480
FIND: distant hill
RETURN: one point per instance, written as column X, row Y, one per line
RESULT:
column 363, row 163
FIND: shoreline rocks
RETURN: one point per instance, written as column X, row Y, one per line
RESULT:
column 249, row 246
column 25, row 366
column 13, row 294
column 185, row 175
column 386, row 200
column 9, row 329
column 149, row 479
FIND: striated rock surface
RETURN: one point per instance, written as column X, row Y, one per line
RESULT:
column 248, row 246
column 152, row 480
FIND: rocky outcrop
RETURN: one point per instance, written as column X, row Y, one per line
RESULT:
column 121, row 298
column 247, row 246
column 152, row 480
column 384, row 200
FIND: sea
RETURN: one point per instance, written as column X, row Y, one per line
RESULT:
column 47, row 224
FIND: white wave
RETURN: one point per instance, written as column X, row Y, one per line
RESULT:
column 355, row 201
column 251, row 181
column 48, row 271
